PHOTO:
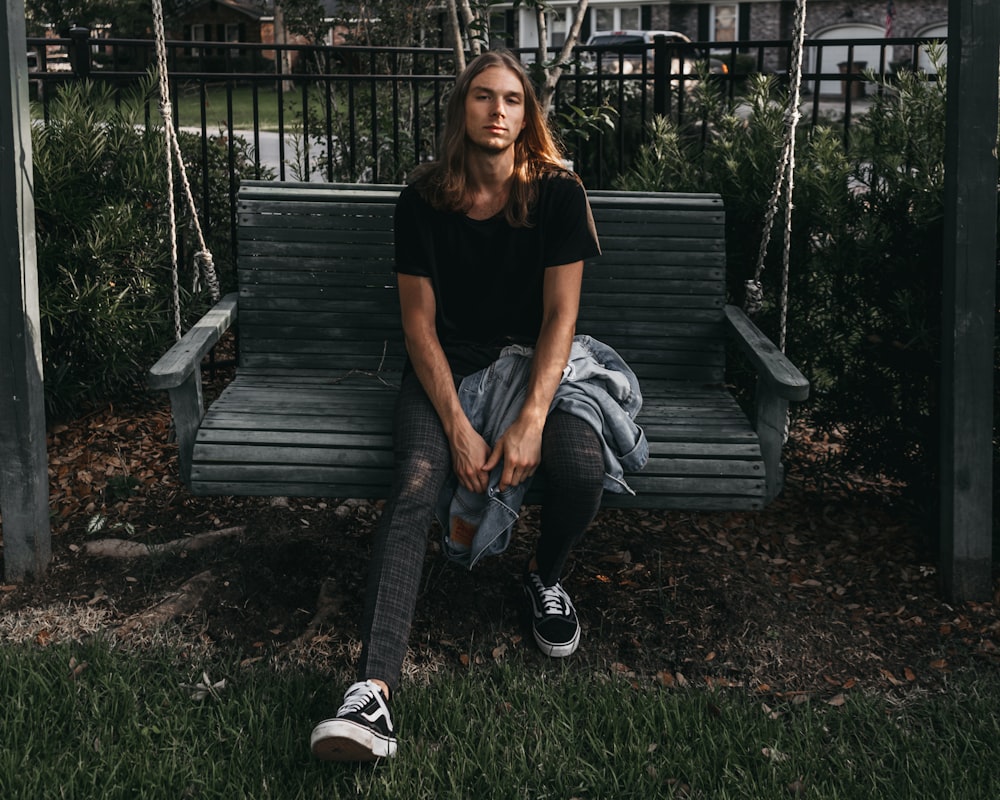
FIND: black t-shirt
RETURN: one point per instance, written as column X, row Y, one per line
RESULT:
column 487, row 276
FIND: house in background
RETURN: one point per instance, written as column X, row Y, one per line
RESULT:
column 513, row 24
column 234, row 21
column 749, row 20
column 229, row 21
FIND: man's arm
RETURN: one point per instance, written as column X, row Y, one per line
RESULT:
column 520, row 446
column 469, row 450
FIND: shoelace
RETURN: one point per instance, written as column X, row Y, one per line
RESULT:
column 356, row 699
column 555, row 601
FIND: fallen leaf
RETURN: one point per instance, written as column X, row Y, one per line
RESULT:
column 199, row 691
column 666, row 679
column 76, row 668
column 909, row 674
column 837, row 700
column 890, row 677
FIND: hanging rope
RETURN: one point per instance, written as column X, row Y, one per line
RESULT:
column 784, row 178
column 204, row 264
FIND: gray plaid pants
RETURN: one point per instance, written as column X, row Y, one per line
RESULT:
column 573, row 465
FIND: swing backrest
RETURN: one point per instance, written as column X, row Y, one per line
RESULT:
column 317, row 289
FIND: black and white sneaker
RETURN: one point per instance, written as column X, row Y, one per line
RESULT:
column 553, row 618
column 361, row 731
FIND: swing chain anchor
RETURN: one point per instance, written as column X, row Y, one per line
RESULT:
column 205, row 265
column 754, row 300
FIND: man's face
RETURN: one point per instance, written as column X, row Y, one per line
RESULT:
column 494, row 109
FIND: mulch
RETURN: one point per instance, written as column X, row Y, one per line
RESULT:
column 833, row 588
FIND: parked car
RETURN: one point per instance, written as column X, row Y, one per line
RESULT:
column 629, row 52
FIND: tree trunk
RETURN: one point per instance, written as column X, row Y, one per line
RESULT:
column 456, row 35
column 284, row 57
column 555, row 70
column 475, row 43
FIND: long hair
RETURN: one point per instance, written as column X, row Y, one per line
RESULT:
column 444, row 183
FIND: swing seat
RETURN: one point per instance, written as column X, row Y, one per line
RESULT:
column 308, row 412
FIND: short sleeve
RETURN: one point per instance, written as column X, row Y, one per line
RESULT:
column 566, row 222
column 411, row 251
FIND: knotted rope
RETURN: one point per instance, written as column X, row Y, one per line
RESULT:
column 784, row 179
column 204, row 264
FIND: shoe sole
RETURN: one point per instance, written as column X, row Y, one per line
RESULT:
column 343, row 740
column 560, row 650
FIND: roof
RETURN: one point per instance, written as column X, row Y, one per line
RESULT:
column 249, row 8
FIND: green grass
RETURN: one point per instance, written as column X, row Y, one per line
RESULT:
column 125, row 728
column 188, row 109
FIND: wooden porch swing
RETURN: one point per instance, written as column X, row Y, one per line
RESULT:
column 320, row 348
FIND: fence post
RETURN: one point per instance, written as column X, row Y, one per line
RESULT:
column 79, row 51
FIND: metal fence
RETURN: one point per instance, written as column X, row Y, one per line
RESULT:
column 350, row 113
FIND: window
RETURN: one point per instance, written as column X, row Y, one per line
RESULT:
column 558, row 26
column 724, row 19
column 232, row 37
column 627, row 18
column 500, row 36
column 197, row 35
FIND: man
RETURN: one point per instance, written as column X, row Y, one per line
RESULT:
column 490, row 245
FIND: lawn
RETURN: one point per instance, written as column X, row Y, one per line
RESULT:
column 246, row 106
column 98, row 720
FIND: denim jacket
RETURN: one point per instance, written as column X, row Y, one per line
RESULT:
column 597, row 386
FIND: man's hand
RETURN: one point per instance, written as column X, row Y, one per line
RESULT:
column 520, row 449
column 469, row 454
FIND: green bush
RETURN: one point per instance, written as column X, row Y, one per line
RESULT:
column 866, row 252
column 103, row 242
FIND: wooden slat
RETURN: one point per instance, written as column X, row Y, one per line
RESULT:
column 269, row 456
column 305, row 473
column 311, row 438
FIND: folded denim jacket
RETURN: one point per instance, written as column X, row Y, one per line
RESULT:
column 597, row 386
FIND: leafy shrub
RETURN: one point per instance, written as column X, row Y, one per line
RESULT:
column 103, row 242
column 866, row 252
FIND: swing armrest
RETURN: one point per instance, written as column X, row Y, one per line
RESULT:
column 179, row 372
column 779, row 375
column 778, row 381
column 177, row 364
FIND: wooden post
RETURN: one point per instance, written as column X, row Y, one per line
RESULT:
column 24, row 485
column 970, row 261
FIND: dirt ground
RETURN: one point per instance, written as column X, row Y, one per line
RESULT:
column 830, row 589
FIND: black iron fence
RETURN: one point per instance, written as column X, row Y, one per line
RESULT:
column 350, row 113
